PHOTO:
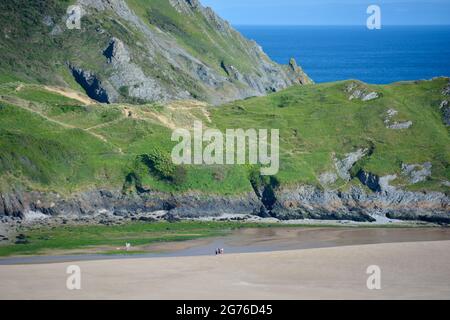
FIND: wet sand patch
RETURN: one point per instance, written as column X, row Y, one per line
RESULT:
column 246, row 240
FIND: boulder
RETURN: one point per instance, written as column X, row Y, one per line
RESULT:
column 400, row 125
column 344, row 165
column 395, row 125
column 417, row 172
column 327, row 178
column 445, row 110
column 359, row 91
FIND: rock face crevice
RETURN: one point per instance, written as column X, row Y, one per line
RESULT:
column 344, row 165
column 359, row 205
column 91, row 84
column 370, row 180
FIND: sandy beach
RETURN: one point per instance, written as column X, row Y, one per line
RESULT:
column 412, row 270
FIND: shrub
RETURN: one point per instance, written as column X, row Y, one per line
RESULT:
column 160, row 164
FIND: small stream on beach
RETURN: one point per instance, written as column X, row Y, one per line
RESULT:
column 259, row 240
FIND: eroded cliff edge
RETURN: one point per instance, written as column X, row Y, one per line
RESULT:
column 302, row 202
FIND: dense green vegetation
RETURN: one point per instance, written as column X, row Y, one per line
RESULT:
column 52, row 142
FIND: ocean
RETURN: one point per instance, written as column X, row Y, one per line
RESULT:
column 394, row 53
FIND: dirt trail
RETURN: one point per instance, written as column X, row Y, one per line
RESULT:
column 72, row 94
column 105, row 124
column 189, row 105
column 65, row 125
column 162, row 119
column 179, row 114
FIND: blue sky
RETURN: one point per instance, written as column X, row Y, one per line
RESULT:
column 330, row 12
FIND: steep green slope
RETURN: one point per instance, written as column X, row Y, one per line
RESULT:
column 136, row 51
column 48, row 153
column 319, row 123
column 27, row 52
column 50, row 142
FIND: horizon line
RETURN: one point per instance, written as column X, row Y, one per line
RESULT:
column 338, row 25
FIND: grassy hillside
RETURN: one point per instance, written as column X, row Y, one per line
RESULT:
column 49, row 141
column 27, row 50
column 317, row 122
column 163, row 54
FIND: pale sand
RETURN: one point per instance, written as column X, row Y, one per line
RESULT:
column 408, row 271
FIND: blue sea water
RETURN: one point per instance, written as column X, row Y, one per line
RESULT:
column 394, row 53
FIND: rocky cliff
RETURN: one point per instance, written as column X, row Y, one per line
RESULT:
column 302, row 202
column 138, row 51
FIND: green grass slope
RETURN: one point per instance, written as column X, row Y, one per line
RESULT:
column 319, row 122
column 51, row 142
